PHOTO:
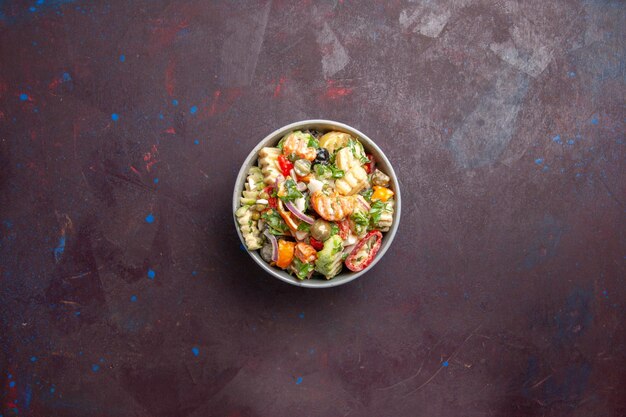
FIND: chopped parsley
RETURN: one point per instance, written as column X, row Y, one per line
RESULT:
column 291, row 190
column 336, row 172
column 378, row 208
column 302, row 269
column 275, row 223
column 367, row 194
column 304, row 227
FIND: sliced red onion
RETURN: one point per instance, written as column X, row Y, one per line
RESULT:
column 293, row 175
column 274, row 243
column 363, row 203
column 278, row 180
column 301, row 186
column 299, row 214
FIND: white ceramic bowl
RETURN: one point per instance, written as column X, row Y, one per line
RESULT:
column 381, row 161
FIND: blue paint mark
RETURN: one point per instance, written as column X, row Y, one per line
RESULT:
column 605, row 293
column 95, row 367
column 299, row 380
column 10, row 376
column 301, row 315
column 133, row 298
column 39, row 2
column 557, row 139
column 32, row 9
column 445, row 364
column 193, row 109
column 571, row 141
column 8, row 224
column 175, row 102
column 11, row 384
column 546, row 168
column 77, row 313
column 161, row 116
column 58, row 251
column 195, row 351
column 149, row 218
column 80, row 353
column 571, row 74
column 33, row 358
column 595, row 121
column 194, row 273
column 151, row 274
column 28, row 396
column 66, row 77
column 52, row 390
column 156, row 180
column 196, row 142
column 122, row 58
column 101, row 360
column 539, row 161
column 115, row 117
column 23, row 96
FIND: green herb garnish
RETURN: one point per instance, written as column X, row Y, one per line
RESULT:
column 302, row 269
column 276, row 224
column 336, row 172
column 292, row 190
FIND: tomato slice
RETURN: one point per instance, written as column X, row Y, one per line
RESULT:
column 361, row 256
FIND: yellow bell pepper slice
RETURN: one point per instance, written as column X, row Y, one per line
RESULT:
column 381, row 193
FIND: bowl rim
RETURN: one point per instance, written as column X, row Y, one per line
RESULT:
column 387, row 238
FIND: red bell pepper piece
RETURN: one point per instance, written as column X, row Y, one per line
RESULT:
column 359, row 259
column 317, row 245
column 285, row 165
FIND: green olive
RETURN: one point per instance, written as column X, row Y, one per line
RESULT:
column 259, row 207
column 264, row 196
column 255, row 215
column 302, row 167
column 320, row 230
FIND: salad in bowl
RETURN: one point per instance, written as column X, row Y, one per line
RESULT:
column 316, row 204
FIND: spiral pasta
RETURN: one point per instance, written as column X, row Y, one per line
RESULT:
column 386, row 216
column 249, row 230
column 254, row 185
column 268, row 161
column 352, row 182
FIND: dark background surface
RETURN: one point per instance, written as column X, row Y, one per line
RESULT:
column 122, row 127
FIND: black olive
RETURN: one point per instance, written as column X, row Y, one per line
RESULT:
column 322, row 157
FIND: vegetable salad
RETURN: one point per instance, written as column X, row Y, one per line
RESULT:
column 316, row 203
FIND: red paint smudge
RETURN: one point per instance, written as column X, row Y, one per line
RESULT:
column 279, row 86
column 150, row 157
column 170, row 130
column 169, row 78
column 223, row 100
column 132, row 168
column 216, row 97
column 55, row 83
column 164, row 32
column 334, row 92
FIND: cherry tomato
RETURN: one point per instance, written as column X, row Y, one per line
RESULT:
column 358, row 259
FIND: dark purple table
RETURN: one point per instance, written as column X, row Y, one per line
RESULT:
column 123, row 288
